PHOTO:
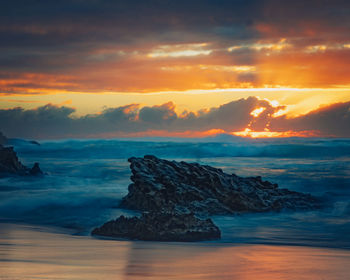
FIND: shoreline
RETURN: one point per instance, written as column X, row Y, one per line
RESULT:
column 223, row 242
column 31, row 252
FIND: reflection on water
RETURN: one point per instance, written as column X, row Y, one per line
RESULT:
column 35, row 253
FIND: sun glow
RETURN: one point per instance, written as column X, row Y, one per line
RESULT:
column 256, row 112
column 263, row 46
column 323, row 48
column 269, row 134
column 218, row 68
column 179, row 50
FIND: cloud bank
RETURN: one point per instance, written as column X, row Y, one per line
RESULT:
column 54, row 122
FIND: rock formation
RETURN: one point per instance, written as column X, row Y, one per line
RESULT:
column 162, row 184
column 161, row 226
column 10, row 165
column 35, row 170
column 177, row 198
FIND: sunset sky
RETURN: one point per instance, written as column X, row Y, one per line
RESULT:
column 89, row 69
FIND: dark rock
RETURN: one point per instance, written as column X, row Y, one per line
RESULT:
column 35, row 170
column 10, row 164
column 161, row 184
column 176, row 194
column 161, row 226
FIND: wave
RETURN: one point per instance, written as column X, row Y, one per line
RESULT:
column 121, row 148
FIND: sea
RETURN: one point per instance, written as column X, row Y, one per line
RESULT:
column 45, row 222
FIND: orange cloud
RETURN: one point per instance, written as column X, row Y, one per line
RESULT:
column 36, row 83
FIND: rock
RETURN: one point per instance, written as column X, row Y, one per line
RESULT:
column 161, row 226
column 35, row 170
column 161, row 184
column 10, row 164
column 176, row 198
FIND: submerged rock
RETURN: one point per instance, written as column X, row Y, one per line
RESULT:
column 161, row 184
column 161, row 226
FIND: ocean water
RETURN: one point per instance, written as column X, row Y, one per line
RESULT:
column 86, row 179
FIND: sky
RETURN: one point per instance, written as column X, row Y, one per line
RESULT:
column 105, row 69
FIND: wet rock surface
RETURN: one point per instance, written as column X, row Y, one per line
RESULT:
column 161, row 226
column 177, row 198
column 162, row 184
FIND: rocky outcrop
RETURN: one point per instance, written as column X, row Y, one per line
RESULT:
column 10, row 165
column 161, row 226
column 9, row 162
column 177, row 198
column 162, row 184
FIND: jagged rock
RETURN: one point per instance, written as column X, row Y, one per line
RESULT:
column 10, row 164
column 176, row 194
column 161, row 184
column 161, row 226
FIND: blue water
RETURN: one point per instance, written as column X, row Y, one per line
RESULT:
column 86, row 180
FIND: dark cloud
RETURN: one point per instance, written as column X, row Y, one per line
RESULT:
column 332, row 120
column 161, row 115
column 38, row 23
column 78, row 26
column 45, row 120
column 50, row 121
column 80, row 38
column 233, row 116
